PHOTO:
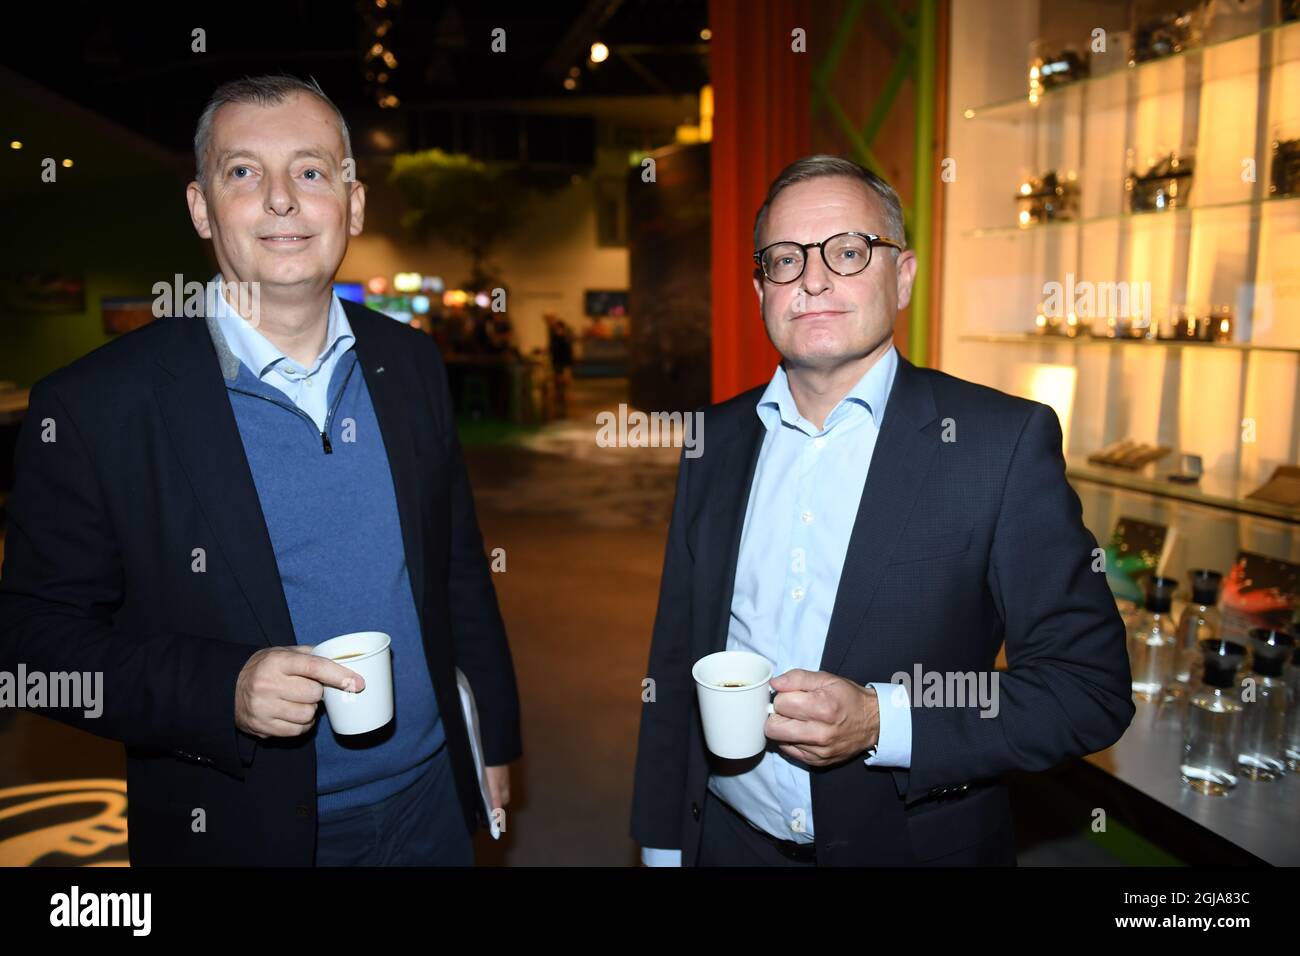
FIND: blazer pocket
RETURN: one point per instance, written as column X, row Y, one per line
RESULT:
column 947, row 826
column 930, row 546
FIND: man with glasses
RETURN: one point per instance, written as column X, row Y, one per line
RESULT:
column 875, row 530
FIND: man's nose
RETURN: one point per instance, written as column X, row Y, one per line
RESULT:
column 816, row 277
column 279, row 195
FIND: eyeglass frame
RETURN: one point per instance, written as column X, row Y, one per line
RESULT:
column 871, row 238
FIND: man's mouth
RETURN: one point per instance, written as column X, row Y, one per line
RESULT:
column 825, row 314
column 285, row 238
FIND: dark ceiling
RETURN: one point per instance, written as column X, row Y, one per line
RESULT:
column 134, row 63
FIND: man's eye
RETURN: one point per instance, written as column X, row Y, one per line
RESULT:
column 312, row 174
column 849, row 253
column 240, row 169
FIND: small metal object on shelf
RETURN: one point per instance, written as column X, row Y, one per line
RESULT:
column 1065, row 326
column 1048, row 71
column 1189, row 470
column 1286, row 167
column 1221, row 323
column 1164, row 34
column 1047, row 199
column 1185, row 324
column 1167, row 184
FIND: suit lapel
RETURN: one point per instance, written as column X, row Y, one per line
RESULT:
column 390, row 381
column 201, row 423
column 899, row 465
column 736, row 477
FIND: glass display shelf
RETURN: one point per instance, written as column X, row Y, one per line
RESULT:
column 1260, row 817
column 1102, row 94
column 1213, row 491
column 1035, row 338
column 1015, row 229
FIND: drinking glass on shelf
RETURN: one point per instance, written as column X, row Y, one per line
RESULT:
column 1262, row 753
column 1200, row 622
column 1212, row 732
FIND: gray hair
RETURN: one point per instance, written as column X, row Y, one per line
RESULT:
column 823, row 165
column 264, row 91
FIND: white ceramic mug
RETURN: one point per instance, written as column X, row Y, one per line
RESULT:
column 734, row 717
column 373, row 707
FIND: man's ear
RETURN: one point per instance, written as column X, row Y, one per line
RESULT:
column 906, row 266
column 198, row 210
column 356, row 209
column 758, row 288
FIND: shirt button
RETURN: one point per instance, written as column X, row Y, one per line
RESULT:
column 797, row 594
column 819, row 442
column 308, row 383
column 806, row 517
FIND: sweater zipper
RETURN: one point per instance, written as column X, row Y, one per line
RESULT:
column 329, row 416
column 326, row 445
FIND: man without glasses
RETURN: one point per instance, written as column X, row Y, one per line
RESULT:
column 221, row 494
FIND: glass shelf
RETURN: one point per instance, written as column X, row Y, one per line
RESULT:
column 1211, row 491
column 1018, row 230
column 1019, row 109
column 1032, row 338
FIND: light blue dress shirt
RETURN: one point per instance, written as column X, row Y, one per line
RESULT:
column 802, row 505
column 308, row 388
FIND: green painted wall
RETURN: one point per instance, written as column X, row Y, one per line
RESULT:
column 120, row 241
column 117, row 219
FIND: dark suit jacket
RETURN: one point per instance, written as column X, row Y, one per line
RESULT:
column 957, row 546
column 148, row 465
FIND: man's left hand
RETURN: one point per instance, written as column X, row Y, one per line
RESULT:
column 822, row 719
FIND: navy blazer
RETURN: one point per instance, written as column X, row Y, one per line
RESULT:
column 967, row 534
column 148, row 465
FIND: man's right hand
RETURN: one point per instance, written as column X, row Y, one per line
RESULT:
column 278, row 690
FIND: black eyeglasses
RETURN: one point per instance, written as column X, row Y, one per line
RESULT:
column 845, row 254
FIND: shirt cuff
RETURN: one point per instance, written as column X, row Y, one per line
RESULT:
column 894, row 748
column 651, row 857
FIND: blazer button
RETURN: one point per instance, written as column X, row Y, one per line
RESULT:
column 695, row 810
column 302, row 810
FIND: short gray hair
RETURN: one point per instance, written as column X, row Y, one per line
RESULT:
column 264, row 91
column 823, row 165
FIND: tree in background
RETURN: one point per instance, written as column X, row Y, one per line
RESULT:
column 470, row 205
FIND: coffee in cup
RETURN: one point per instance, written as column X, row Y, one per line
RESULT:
column 369, row 654
column 735, row 700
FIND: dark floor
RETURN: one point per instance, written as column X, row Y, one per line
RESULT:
column 583, row 529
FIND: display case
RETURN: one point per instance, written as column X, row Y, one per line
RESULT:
column 1121, row 240
column 1087, row 306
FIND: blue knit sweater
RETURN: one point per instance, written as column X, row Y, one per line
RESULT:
column 334, row 525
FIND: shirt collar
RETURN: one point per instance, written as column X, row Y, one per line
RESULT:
column 871, row 392
column 257, row 351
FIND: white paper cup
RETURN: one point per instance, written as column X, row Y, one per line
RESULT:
column 734, row 717
column 373, row 707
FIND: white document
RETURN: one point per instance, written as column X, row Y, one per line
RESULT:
column 476, row 746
